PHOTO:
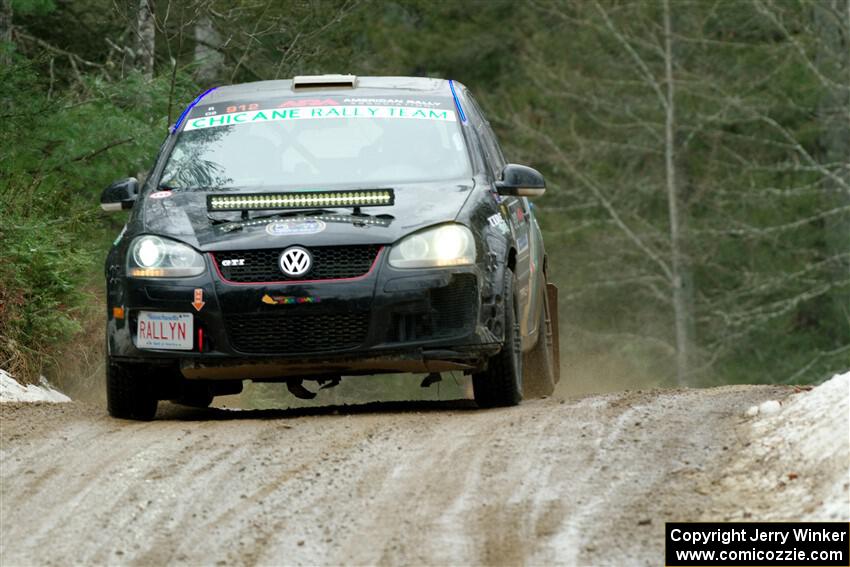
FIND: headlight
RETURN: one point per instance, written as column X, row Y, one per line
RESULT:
column 155, row 257
column 446, row 245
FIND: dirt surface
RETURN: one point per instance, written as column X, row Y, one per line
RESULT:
column 575, row 481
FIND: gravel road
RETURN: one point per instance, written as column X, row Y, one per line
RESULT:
column 557, row 481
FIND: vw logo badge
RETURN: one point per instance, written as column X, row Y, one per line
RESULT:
column 295, row 261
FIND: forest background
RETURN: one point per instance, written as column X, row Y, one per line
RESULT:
column 697, row 157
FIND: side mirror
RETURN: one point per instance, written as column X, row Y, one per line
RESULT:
column 120, row 195
column 520, row 181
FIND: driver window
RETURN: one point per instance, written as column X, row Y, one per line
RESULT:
column 495, row 159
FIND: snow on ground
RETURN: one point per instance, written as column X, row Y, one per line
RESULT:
column 12, row 391
column 806, row 442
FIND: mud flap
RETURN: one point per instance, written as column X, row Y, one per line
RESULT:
column 552, row 299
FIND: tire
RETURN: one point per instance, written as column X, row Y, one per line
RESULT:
column 539, row 372
column 501, row 384
column 130, row 393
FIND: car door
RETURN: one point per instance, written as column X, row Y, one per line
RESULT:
column 517, row 212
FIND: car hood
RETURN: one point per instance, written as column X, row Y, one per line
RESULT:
column 183, row 215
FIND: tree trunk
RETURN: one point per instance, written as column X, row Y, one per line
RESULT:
column 682, row 308
column 207, row 57
column 145, row 36
column 5, row 32
column 832, row 22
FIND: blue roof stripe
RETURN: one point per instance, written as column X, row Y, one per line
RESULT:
column 457, row 101
column 190, row 107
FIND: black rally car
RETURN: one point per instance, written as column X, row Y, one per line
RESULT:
column 308, row 229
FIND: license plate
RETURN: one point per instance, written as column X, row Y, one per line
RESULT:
column 164, row 330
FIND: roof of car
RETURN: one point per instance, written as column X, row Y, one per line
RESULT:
column 362, row 86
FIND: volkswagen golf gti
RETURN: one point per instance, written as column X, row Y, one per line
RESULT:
column 305, row 230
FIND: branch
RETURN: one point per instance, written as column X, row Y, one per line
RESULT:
column 827, row 82
column 813, row 361
column 755, row 232
column 89, row 155
column 606, row 204
column 644, row 68
column 58, row 50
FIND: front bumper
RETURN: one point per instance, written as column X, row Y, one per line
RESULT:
column 389, row 320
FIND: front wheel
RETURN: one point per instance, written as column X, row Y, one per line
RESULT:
column 501, row 384
column 130, row 392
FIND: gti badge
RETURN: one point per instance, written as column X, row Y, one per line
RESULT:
column 233, row 262
column 295, row 261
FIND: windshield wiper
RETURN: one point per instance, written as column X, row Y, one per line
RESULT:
column 357, row 219
column 167, row 187
column 245, row 217
column 232, row 225
column 302, row 213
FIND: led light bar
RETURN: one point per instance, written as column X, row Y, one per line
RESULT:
column 305, row 200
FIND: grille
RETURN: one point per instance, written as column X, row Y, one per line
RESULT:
column 454, row 305
column 452, row 310
column 329, row 262
column 282, row 333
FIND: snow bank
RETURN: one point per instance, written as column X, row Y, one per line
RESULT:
column 12, row 391
column 806, row 443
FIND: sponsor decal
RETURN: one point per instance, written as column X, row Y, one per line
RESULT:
column 498, row 221
column 289, row 299
column 509, row 218
column 319, row 113
column 283, row 228
column 522, row 243
column 307, row 102
column 393, row 101
column 161, row 195
column 268, row 105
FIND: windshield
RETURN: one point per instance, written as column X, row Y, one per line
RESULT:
column 314, row 146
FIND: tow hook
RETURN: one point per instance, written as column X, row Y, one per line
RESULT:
column 297, row 389
column 432, row 378
column 328, row 383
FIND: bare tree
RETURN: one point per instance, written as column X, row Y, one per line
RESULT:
column 682, row 308
column 208, row 58
column 832, row 24
column 676, row 266
column 145, row 38
column 5, row 30
column 686, row 136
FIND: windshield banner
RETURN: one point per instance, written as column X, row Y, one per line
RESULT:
column 320, row 113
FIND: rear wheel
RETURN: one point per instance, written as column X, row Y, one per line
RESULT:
column 501, row 383
column 130, row 392
column 540, row 375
